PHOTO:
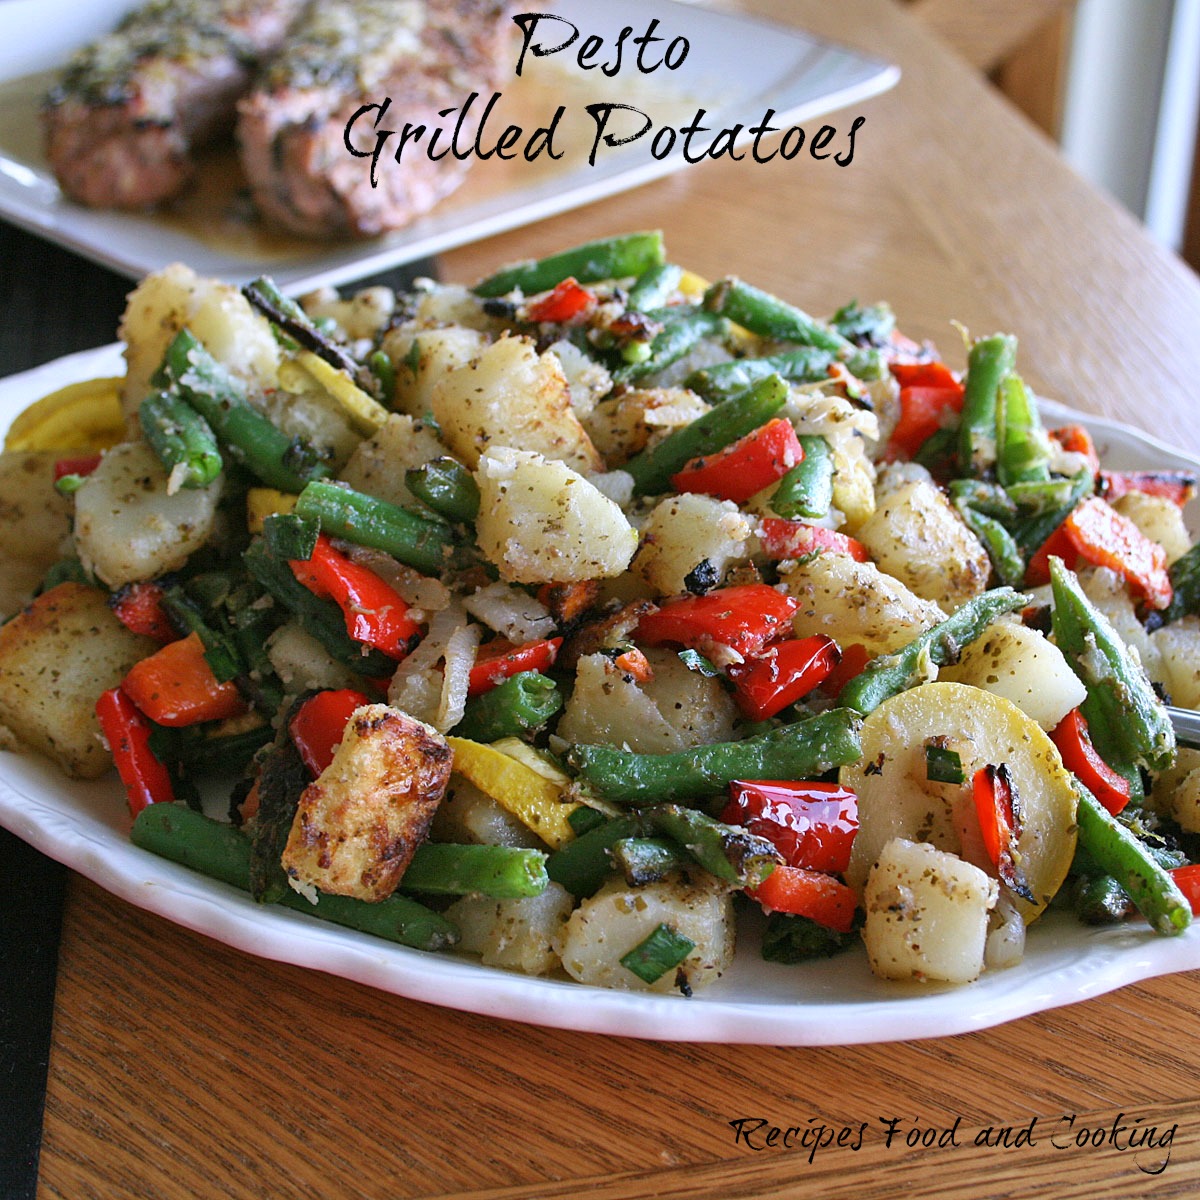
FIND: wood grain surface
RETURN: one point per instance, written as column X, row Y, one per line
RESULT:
column 182, row 1068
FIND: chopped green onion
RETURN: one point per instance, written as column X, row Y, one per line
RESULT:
column 653, row 957
column 943, row 765
column 695, row 661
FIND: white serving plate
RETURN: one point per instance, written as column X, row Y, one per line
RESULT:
column 736, row 68
column 836, row 1002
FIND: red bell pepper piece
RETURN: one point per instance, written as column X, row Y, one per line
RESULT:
column 319, row 723
column 127, row 732
column 375, row 614
column 175, row 686
column 85, row 464
column 1057, row 545
column 998, row 808
column 745, row 467
column 139, row 607
column 635, row 664
column 1177, row 486
column 923, row 412
column 1080, row 757
column 810, row 894
column 1187, row 880
column 781, row 538
column 811, row 824
column 928, row 373
column 1095, row 531
column 782, row 674
column 1076, row 440
column 744, row 618
column 499, row 660
column 568, row 299
column 855, row 656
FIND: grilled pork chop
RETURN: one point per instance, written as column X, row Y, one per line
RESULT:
column 423, row 56
column 131, row 107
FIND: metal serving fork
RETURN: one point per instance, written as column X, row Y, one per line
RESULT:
column 1187, row 726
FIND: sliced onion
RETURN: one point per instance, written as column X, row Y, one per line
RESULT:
column 511, row 613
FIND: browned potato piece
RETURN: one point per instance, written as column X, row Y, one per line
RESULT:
column 359, row 822
column 56, row 658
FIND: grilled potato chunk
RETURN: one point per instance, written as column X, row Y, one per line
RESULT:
column 690, row 540
column 56, row 658
column 359, row 822
column 511, row 396
column 915, row 536
column 856, row 602
column 127, row 524
column 618, row 918
column 927, row 914
column 541, row 522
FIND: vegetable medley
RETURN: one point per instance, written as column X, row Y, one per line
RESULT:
column 562, row 617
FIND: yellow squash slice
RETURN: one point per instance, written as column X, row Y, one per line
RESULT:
column 523, row 789
column 80, row 416
column 896, row 800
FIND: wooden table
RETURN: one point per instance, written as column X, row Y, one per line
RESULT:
column 182, row 1068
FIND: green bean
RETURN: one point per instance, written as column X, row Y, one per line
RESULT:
column 368, row 521
column 1036, row 497
column 794, row 939
column 939, row 452
column 384, row 370
column 682, row 331
column 504, row 872
column 447, row 487
column 1022, row 451
column 582, row 865
column 1120, row 854
column 801, row 750
column 729, row 852
column 654, row 287
column 893, row 673
column 181, row 438
column 1126, row 720
column 623, row 257
column 1001, row 546
column 222, row 852
column 1100, row 900
column 295, row 324
column 518, row 707
column 323, row 619
column 583, row 819
column 722, row 424
column 873, row 324
column 807, row 489
column 989, row 360
column 723, row 380
column 201, row 752
column 221, row 651
column 274, row 458
column 768, row 316
column 1185, row 586
column 1031, row 532
column 988, row 498
column 645, row 860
